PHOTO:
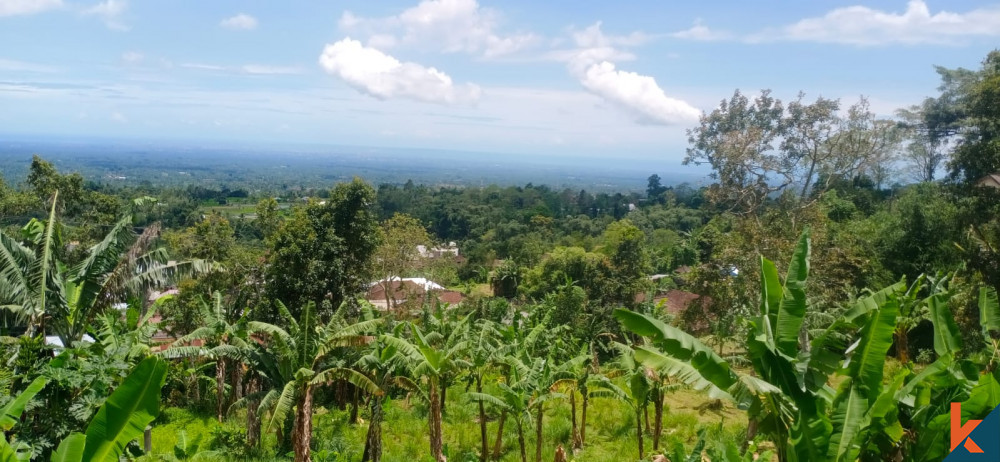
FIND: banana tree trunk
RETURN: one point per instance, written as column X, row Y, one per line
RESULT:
column 302, row 430
column 638, row 431
column 373, row 442
column 498, row 443
column 237, row 382
column 658, row 419
column 444, row 396
column 645, row 415
column 484, row 452
column 538, row 432
column 353, row 419
column 902, row 345
column 253, row 419
column 220, row 387
column 520, row 441
column 583, row 420
column 434, row 422
column 574, row 434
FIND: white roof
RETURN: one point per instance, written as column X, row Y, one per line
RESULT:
column 53, row 340
column 426, row 283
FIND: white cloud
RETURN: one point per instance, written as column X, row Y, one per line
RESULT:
column 451, row 26
column 701, row 32
column 110, row 11
column 118, row 117
column 22, row 66
column 637, row 94
column 260, row 69
column 253, row 69
column 19, row 7
column 203, row 67
column 593, row 37
column 132, row 57
column 240, row 22
column 375, row 73
column 861, row 25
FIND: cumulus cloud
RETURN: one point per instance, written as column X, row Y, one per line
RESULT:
column 377, row 74
column 110, row 11
column 449, row 25
column 861, row 25
column 22, row 7
column 637, row 94
column 240, row 22
column 701, row 32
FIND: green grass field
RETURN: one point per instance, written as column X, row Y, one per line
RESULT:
column 610, row 430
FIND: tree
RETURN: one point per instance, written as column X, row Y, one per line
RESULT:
column 268, row 221
column 119, row 421
column 430, row 362
column 65, row 299
column 294, row 362
column 655, row 190
column 397, row 254
column 220, row 334
column 760, row 148
column 386, row 369
column 625, row 246
column 324, row 251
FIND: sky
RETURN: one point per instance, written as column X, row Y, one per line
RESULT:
column 589, row 78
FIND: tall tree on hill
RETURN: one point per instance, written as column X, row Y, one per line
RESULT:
column 324, row 251
column 397, row 253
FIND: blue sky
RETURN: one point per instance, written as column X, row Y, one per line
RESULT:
column 594, row 78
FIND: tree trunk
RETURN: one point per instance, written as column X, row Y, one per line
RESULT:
column 638, row 431
column 373, row 443
column 751, row 434
column 434, row 422
column 574, row 433
column 520, row 441
column 645, row 415
column 902, row 346
column 498, row 443
column 220, row 386
column 484, row 452
column 658, row 419
column 353, row 419
column 302, row 430
column 560, row 454
column 237, row 382
column 583, row 420
column 444, row 397
column 253, row 419
column 538, row 432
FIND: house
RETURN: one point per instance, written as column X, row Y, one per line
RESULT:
column 990, row 181
column 682, row 304
column 409, row 292
column 438, row 252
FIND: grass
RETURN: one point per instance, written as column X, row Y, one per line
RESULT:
column 610, row 430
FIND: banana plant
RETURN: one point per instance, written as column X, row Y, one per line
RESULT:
column 789, row 399
column 295, row 362
column 122, row 418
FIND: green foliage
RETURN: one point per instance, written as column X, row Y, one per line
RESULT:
column 324, row 251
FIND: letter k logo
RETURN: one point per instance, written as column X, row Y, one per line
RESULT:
column 960, row 432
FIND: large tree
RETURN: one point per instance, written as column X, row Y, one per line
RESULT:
column 397, row 253
column 324, row 252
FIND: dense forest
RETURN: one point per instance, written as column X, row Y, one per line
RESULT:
column 827, row 297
